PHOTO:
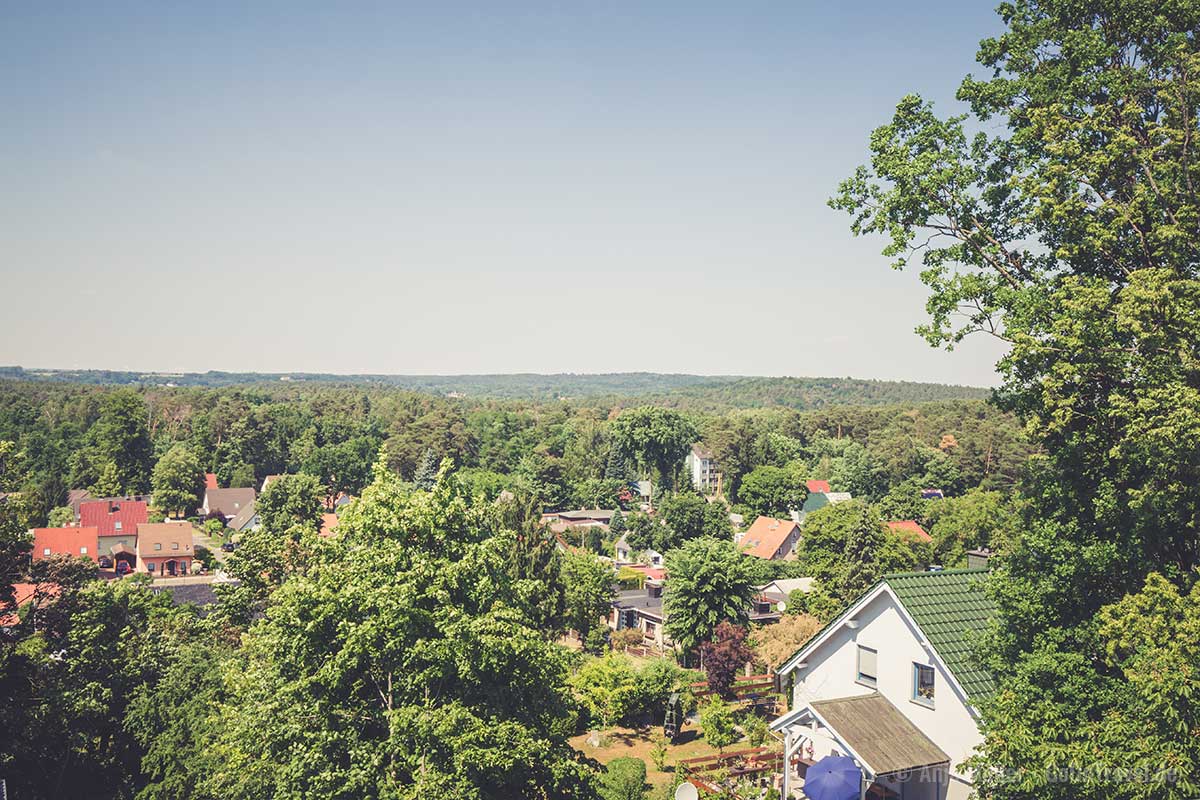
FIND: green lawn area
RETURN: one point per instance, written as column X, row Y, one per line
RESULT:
column 636, row 743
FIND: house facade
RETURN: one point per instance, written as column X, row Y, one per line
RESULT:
column 702, row 469
column 165, row 548
column 892, row 682
column 226, row 502
column 117, row 522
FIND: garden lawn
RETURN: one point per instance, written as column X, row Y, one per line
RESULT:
column 636, row 743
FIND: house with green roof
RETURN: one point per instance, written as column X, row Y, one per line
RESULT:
column 893, row 683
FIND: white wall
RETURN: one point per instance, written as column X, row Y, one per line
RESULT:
column 833, row 668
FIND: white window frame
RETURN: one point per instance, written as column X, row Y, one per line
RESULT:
column 917, row 697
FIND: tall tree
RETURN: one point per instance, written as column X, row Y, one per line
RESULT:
column 773, row 491
column 710, row 583
column 656, row 438
column 290, row 500
column 121, row 437
column 1068, row 228
column 588, row 583
column 178, row 481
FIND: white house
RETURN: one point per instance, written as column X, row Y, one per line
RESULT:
column 702, row 469
column 892, row 682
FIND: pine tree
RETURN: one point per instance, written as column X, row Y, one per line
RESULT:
column 616, row 469
column 616, row 525
column 862, row 557
column 425, row 475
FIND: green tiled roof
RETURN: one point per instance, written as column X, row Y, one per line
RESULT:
column 951, row 609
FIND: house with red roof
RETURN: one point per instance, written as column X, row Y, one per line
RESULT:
column 117, row 521
column 771, row 539
column 908, row 529
column 33, row 594
column 817, row 486
column 73, row 541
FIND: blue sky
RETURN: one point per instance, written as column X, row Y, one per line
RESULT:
column 462, row 187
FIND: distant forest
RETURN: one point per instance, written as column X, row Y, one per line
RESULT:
column 711, row 393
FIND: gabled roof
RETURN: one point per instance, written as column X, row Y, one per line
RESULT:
column 105, row 514
column 228, row 501
column 817, row 486
column 879, row 734
column 24, row 593
column 166, row 534
column 65, row 541
column 699, row 452
column 243, row 518
column 949, row 606
column 764, row 538
column 908, row 528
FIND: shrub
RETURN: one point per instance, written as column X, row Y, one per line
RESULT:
column 755, row 728
column 658, row 751
column 716, row 720
column 625, row 779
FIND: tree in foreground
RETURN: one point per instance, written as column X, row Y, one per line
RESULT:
column 624, row 779
column 588, row 587
column 1067, row 227
column 178, row 481
column 711, row 582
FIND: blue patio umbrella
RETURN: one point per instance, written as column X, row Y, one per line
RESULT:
column 833, row 778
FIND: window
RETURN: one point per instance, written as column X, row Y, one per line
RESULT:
column 158, row 545
column 83, row 551
column 117, row 525
column 867, row 660
column 923, row 684
column 174, row 545
column 45, row 551
column 149, row 568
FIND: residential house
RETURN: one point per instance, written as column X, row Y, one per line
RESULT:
column 771, row 539
column 328, row 525
column 117, row 521
column 641, row 609
column 226, row 502
column 933, row 494
column 780, row 590
column 908, row 529
column 247, row 519
column 165, row 548
column 626, row 554
column 817, row 486
column 702, row 469
column 893, row 683
column 77, row 497
column 267, row 482
column 70, row 541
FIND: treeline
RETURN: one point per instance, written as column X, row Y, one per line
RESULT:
column 698, row 392
column 63, row 436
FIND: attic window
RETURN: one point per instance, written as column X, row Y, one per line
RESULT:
column 45, row 551
column 922, row 684
column 117, row 525
column 83, row 551
column 868, row 660
column 174, row 545
column 158, row 545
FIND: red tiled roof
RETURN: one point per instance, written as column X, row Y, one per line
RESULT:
column 100, row 514
column 817, row 486
column 24, row 593
column 653, row 573
column 328, row 523
column 909, row 528
column 65, row 541
column 210, row 481
column 764, row 538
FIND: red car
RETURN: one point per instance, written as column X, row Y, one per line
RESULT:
column 123, row 568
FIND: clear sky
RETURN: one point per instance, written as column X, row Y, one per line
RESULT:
column 462, row 187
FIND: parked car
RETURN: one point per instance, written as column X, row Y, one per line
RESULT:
column 105, row 562
column 123, row 568
column 227, row 547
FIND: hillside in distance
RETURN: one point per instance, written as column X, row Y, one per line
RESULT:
column 696, row 392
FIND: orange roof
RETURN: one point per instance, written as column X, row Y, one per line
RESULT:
column 65, row 541
column 908, row 528
column 328, row 523
column 24, row 592
column 817, row 486
column 764, row 538
column 210, row 481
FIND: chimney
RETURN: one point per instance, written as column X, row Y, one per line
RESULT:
column 978, row 559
